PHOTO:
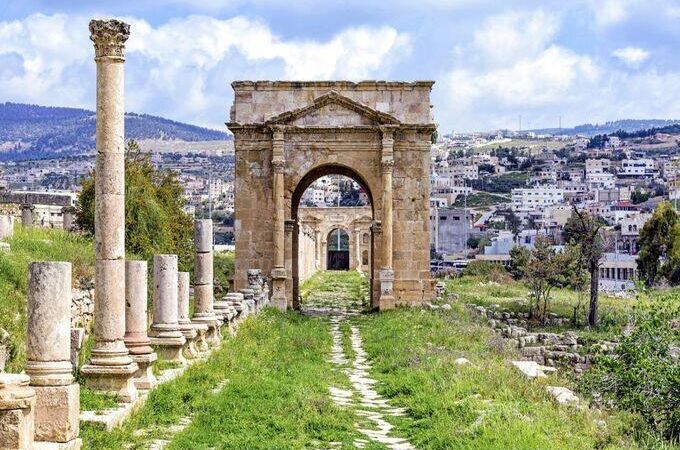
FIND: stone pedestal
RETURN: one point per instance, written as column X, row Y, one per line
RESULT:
column 110, row 368
column 278, row 299
column 201, row 340
column 136, row 339
column 185, row 325
column 6, row 226
column 386, row 277
column 165, row 333
column 67, row 218
column 48, row 349
column 17, row 412
column 203, row 281
column 27, row 215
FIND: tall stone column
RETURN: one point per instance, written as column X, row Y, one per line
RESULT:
column 279, row 270
column 317, row 249
column 136, row 339
column 48, row 349
column 203, row 280
column 165, row 333
column 110, row 368
column 357, row 240
column 6, row 226
column 185, row 325
column 386, row 274
column 27, row 215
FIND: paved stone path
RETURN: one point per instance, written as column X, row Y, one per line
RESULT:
column 363, row 398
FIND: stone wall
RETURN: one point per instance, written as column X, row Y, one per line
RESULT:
column 307, row 253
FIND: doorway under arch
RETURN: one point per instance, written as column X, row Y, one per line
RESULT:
column 305, row 182
column 337, row 255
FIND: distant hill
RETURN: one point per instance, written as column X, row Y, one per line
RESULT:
column 627, row 125
column 31, row 131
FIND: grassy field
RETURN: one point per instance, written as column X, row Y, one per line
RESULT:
column 522, row 143
column 483, row 406
column 480, row 199
column 512, row 295
column 347, row 290
column 27, row 245
column 275, row 377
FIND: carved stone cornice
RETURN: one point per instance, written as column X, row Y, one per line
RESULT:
column 109, row 38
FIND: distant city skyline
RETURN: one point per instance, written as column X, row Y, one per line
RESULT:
column 586, row 61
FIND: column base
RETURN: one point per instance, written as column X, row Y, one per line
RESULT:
column 75, row 444
column 113, row 380
column 213, row 336
column 278, row 299
column 57, row 413
column 170, row 349
column 144, row 378
column 201, row 342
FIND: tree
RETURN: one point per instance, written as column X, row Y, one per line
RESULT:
column 584, row 230
column 542, row 273
column 155, row 221
column 519, row 258
column 660, row 246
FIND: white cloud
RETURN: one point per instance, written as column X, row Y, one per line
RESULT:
column 182, row 69
column 610, row 12
column 631, row 56
column 509, row 36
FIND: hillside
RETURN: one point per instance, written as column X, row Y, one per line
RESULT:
column 628, row 125
column 31, row 131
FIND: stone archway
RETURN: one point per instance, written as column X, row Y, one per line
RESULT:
column 286, row 133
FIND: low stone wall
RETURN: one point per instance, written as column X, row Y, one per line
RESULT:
column 550, row 349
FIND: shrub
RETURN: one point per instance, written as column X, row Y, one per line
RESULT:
column 641, row 375
column 155, row 221
column 223, row 270
column 490, row 271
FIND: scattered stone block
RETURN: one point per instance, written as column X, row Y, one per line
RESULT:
column 562, row 395
column 17, row 412
column 531, row 369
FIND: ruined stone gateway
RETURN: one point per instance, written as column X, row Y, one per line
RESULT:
column 288, row 134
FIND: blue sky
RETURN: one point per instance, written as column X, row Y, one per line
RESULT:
column 583, row 60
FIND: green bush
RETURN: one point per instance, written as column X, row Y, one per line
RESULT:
column 223, row 264
column 155, row 221
column 489, row 271
column 641, row 375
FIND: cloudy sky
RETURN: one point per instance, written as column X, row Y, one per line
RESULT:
column 584, row 60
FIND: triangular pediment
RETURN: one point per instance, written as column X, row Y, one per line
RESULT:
column 334, row 110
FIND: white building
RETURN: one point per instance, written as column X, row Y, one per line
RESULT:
column 600, row 180
column 638, row 168
column 531, row 198
column 595, row 166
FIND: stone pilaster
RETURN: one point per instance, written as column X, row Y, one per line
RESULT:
column 17, row 412
column 48, row 348
column 110, row 368
column 386, row 274
column 185, row 325
column 27, row 215
column 203, row 280
column 165, row 333
column 136, row 339
column 279, row 271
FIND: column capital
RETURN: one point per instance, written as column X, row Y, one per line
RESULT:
column 109, row 38
column 278, row 165
column 387, row 165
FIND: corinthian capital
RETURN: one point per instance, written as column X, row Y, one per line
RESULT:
column 109, row 37
column 387, row 165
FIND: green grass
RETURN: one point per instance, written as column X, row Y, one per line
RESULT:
column 335, row 289
column 27, row 245
column 513, row 296
column 480, row 199
column 487, row 405
column 522, row 143
column 277, row 376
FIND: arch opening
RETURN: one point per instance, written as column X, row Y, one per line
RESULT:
column 332, row 215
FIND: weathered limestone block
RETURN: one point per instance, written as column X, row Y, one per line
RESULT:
column 203, row 281
column 185, row 326
column 17, row 412
column 136, row 339
column 562, row 395
column 203, row 237
column 203, row 269
column 48, row 347
column 165, row 333
column 27, row 215
column 4, row 348
column 6, row 226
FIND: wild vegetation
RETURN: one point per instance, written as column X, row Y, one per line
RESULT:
column 34, row 244
column 155, row 221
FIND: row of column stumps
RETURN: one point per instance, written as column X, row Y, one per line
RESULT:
column 7, row 221
column 203, row 280
column 110, row 369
